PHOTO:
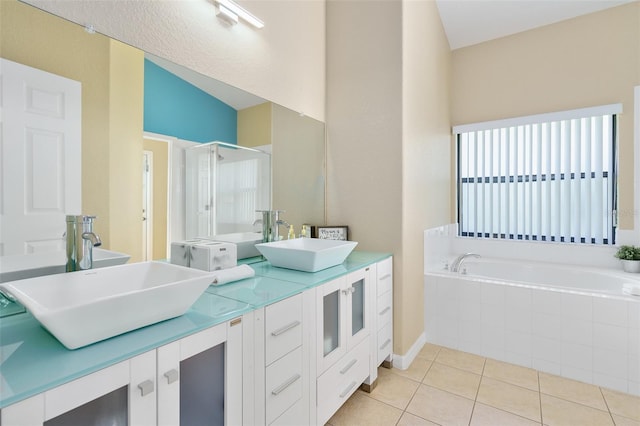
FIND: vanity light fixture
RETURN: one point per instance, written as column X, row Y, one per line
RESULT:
column 227, row 15
column 228, row 9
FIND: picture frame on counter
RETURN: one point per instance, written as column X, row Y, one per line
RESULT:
column 340, row 233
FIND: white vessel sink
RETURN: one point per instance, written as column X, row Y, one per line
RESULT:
column 21, row 266
column 80, row 308
column 306, row 254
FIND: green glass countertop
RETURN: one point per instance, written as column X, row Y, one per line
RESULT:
column 355, row 261
column 33, row 361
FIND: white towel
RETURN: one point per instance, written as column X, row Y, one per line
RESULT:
column 225, row 276
column 631, row 289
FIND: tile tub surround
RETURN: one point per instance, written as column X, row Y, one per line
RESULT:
column 450, row 387
column 593, row 339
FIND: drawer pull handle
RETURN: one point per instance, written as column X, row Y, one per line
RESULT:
column 385, row 310
column 235, row 322
column 348, row 366
column 172, row 375
column 385, row 344
column 146, row 387
column 286, row 384
column 346, row 392
column 285, row 328
column 384, row 277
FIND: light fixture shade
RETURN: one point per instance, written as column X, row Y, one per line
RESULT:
column 227, row 15
column 240, row 12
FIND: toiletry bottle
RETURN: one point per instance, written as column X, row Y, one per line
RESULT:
column 292, row 234
column 303, row 232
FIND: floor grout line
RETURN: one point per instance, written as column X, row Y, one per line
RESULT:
column 540, row 397
column 482, row 375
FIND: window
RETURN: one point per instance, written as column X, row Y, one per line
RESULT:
column 549, row 177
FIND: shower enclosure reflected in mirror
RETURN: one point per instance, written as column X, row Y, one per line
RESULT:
column 225, row 185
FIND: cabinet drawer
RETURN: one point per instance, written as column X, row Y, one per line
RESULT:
column 340, row 381
column 384, row 309
column 384, row 345
column 283, row 384
column 297, row 415
column 385, row 276
column 283, row 327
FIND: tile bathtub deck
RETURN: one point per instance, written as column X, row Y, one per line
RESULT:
column 448, row 387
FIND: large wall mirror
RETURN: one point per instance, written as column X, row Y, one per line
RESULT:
column 116, row 133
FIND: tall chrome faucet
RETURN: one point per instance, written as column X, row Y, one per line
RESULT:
column 80, row 242
column 455, row 266
column 270, row 224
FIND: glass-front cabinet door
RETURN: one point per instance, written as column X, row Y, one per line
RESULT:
column 343, row 316
column 331, row 310
column 358, row 286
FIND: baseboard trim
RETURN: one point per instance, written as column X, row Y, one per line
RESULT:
column 403, row 362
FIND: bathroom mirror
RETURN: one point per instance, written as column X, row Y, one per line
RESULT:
column 112, row 111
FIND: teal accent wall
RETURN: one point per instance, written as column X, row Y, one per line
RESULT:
column 174, row 107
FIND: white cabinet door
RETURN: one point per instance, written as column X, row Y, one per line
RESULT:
column 168, row 372
column 146, row 389
column 359, row 296
column 40, row 134
column 331, row 325
column 344, row 317
column 143, row 390
column 108, row 396
column 200, row 377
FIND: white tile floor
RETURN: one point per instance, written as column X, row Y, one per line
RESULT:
column 448, row 387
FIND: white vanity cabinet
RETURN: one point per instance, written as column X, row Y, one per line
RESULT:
column 199, row 377
column 343, row 327
column 147, row 389
column 110, row 396
column 280, row 356
column 383, row 312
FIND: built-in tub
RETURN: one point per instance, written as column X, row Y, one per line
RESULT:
column 575, row 322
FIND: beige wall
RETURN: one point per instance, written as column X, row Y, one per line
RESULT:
column 254, row 125
column 586, row 61
column 160, row 150
column 126, row 97
column 298, row 167
column 42, row 41
column 425, row 158
column 388, row 67
column 109, row 116
column 283, row 62
column 297, row 161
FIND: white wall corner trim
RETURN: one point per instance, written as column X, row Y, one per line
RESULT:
column 403, row 362
column 636, row 165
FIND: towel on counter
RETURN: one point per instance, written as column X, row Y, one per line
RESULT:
column 631, row 289
column 237, row 273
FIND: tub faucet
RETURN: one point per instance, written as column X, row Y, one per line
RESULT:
column 455, row 266
column 80, row 242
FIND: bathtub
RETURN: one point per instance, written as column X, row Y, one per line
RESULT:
column 554, row 277
column 577, row 322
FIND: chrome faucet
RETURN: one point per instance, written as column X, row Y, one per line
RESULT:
column 271, row 223
column 455, row 266
column 80, row 242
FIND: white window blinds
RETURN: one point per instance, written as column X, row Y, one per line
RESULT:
column 549, row 177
